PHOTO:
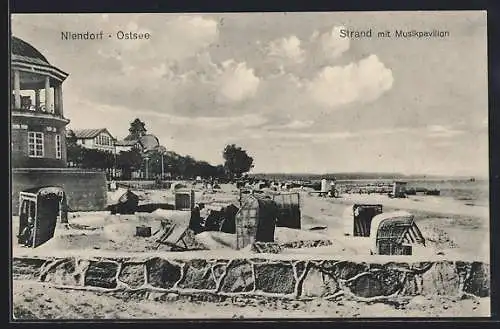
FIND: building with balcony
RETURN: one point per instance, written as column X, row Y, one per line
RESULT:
column 38, row 124
column 98, row 139
column 38, row 133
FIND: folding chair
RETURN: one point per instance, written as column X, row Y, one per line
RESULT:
column 172, row 236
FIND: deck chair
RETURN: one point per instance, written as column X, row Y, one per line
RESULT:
column 174, row 235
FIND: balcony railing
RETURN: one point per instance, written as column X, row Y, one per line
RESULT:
column 31, row 107
column 40, row 111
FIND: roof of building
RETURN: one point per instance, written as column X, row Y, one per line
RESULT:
column 25, row 56
column 27, row 51
column 89, row 133
column 126, row 142
column 148, row 142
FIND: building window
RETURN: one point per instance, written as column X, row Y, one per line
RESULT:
column 103, row 140
column 35, row 143
column 58, row 147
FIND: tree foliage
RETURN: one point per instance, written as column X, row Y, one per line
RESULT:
column 237, row 161
column 137, row 130
column 97, row 159
column 129, row 161
column 74, row 152
column 181, row 166
column 159, row 160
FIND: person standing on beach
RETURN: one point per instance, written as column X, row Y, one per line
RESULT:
column 26, row 236
column 195, row 221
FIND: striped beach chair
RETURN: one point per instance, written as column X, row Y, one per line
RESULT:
column 394, row 233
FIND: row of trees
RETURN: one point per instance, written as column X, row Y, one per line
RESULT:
column 157, row 162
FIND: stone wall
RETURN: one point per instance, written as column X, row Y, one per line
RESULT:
column 297, row 279
column 85, row 189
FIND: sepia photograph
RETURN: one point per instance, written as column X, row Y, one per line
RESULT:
column 274, row 165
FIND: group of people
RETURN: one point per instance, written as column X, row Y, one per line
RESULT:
column 203, row 219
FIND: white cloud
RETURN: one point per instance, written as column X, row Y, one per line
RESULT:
column 310, row 137
column 194, row 30
column 243, row 121
column 279, row 132
column 363, row 81
column 287, row 48
column 171, row 39
column 438, row 131
column 237, row 82
column 331, row 44
column 295, row 124
column 210, row 123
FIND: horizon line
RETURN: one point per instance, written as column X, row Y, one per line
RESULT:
column 372, row 173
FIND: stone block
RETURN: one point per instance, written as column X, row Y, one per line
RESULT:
column 239, row 277
column 344, row 270
column 162, row 273
column 318, row 284
column 65, row 272
column 101, row 274
column 275, row 278
column 132, row 274
column 441, row 279
column 478, row 282
column 219, row 269
column 412, row 285
column 198, row 275
column 62, row 272
column 379, row 283
column 26, row 268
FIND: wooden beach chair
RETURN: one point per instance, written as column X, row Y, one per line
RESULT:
column 174, row 232
column 394, row 234
column 173, row 237
column 362, row 218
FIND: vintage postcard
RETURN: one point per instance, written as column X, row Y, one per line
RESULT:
column 249, row 165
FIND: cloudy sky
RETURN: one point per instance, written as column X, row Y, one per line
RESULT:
column 284, row 86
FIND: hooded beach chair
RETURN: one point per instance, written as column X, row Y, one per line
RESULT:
column 394, row 233
column 358, row 218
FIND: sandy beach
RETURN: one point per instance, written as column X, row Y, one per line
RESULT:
column 38, row 301
column 449, row 226
column 455, row 230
